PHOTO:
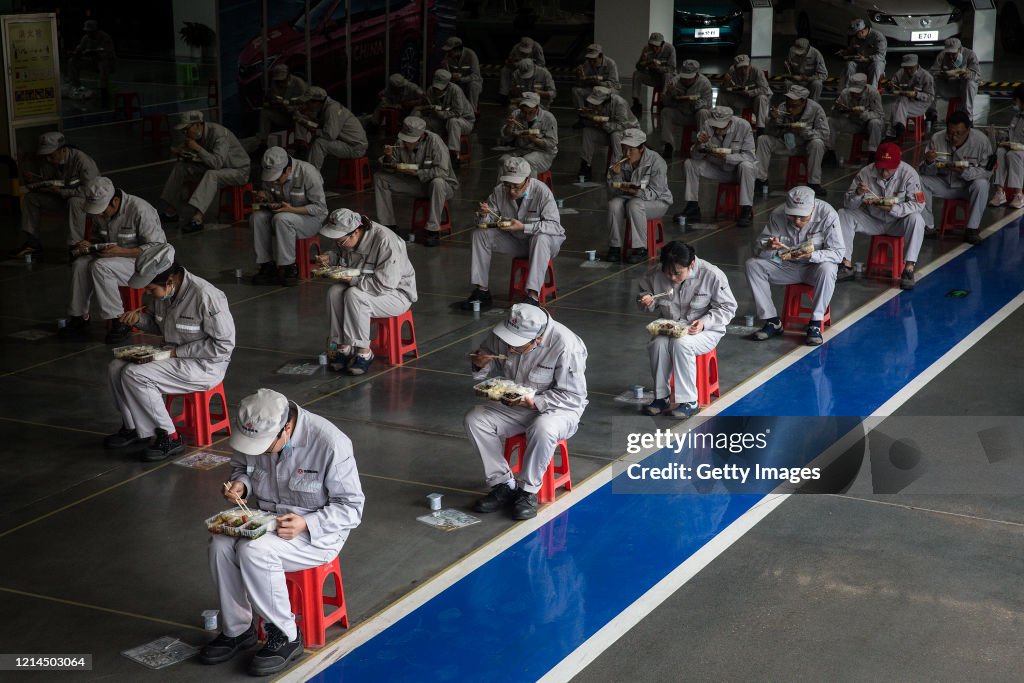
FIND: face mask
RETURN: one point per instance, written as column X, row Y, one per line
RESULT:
column 287, row 449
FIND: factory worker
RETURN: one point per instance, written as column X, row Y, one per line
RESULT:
column 914, row 89
column 798, row 128
column 329, row 129
column 858, row 109
column 638, row 191
column 606, row 117
column 280, row 101
column 300, row 466
column 530, row 77
column 957, row 74
column 746, row 87
column 657, row 62
column 1009, row 172
column 865, row 52
column 526, row 48
column 448, row 113
column 709, row 159
column 805, row 66
column 533, row 132
column 686, row 101
column 464, row 66
column 536, row 352
column 400, row 94
column 598, row 69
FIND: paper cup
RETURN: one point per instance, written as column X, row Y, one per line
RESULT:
column 748, row 320
column 323, row 359
column 591, row 254
column 560, row 203
column 435, row 501
column 62, row 323
column 210, row 619
column 858, row 268
column 638, row 391
column 238, row 273
column 28, row 258
column 476, row 306
column 583, row 179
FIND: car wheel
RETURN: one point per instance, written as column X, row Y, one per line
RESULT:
column 409, row 60
column 1010, row 30
column 803, row 27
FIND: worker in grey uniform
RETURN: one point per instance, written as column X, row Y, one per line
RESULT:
column 212, row 155
column 638, row 191
column 526, row 47
column 710, row 159
column 801, row 127
column 94, row 51
column 869, row 209
column 520, row 218
column 779, row 259
column 61, row 187
column 448, row 113
column 805, row 66
column 533, row 132
column 385, row 287
column 598, row 69
column 914, row 89
column 283, row 96
column 530, row 77
column 657, row 62
column 686, row 101
column 464, row 66
column 539, row 353
column 193, row 318
column 123, row 226
column 292, row 206
column 858, row 109
column 957, row 166
column 606, row 117
column 865, row 52
column 427, row 172
column 744, row 87
column 400, row 94
column 695, row 293
column 300, row 466
column 957, row 73
column 330, row 128
column 1009, row 172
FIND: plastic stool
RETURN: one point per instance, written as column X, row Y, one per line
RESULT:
column 546, row 178
column 128, row 103
column 517, row 281
column 421, row 212
column 707, row 377
column 689, row 133
column 355, row 174
column 795, row 315
column 796, row 171
column 303, row 259
column 748, row 116
column 954, row 215
column 954, row 104
column 390, row 341
column 390, row 121
column 196, row 419
column 465, row 149
column 727, row 202
column 306, row 595
column 159, row 127
column 655, row 236
column 917, row 123
column 235, row 204
column 555, row 476
column 655, row 103
column 885, row 256
column 857, row 151
column 131, row 298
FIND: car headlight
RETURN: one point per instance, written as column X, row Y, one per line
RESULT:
column 956, row 16
column 735, row 15
column 879, row 18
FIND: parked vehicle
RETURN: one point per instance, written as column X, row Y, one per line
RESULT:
column 908, row 25
column 716, row 23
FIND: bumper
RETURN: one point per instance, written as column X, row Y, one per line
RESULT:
column 728, row 34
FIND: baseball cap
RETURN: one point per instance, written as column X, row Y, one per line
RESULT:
column 261, row 417
column 525, row 323
column 90, row 25
column 530, row 99
column 857, row 82
column 800, row 201
column 594, row 50
column 279, row 72
column 690, row 68
column 888, row 155
column 316, row 94
column 514, row 170
column 98, row 194
column 909, row 60
column 50, row 142
column 525, row 67
column 341, row 223
column 150, row 263
column 656, row 39
column 634, row 137
column 857, row 25
column 442, row 77
column 397, row 80
column 801, row 46
column 453, row 43
column 599, row 94
column 412, row 129
column 275, row 160
column 952, row 45
column 741, row 60
column 797, row 92
column 525, row 45
column 188, row 118
column 720, row 117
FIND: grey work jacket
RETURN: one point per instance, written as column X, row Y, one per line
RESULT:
column 537, row 54
column 136, row 224
column 823, row 230
column 874, row 45
column 921, row 81
column 976, row 150
column 619, row 115
column 905, row 185
column 219, row 149
column 384, row 261
column 430, row 148
column 753, row 83
column 869, row 98
column 608, row 71
column 453, row 102
column 675, row 88
column 650, row 170
column 338, row 123
column 197, row 321
column 545, row 122
column 967, row 59
column 78, row 166
column 811, row 63
column 541, row 80
column 288, row 90
column 538, row 211
column 814, row 119
column 304, row 187
column 704, row 295
column 408, row 94
column 739, row 137
column 664, row 54
column 468, row 67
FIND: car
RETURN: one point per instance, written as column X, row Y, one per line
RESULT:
column 717, row 23
column 908, row 25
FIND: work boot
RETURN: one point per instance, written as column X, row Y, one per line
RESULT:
column 122, row 439
column 524, row 506
column 813, row 337
column 481, row 295
column 746, row 218
column 222, row 648
column 772, row 328
column 637, row 256
column 118, row 332
column 290, row 275
column 844, row 273
column 501, row 496
column 164, row 447
column 585, row 171
column 972, row 236
column 359, row 365
column 277, row 653
column 267, row 274
column 614, row 254
column 192, row 226
column 637, row 108
column 907, row 280
column 32, row 245
column 692, row 212
column 830, row 158
column 76, row 328
column 666, row 153
column 898, row 129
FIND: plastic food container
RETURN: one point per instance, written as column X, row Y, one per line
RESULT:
column 504, row 390
column 238, row 522
column 667, row 328
column 142, row 353
column 336, row 272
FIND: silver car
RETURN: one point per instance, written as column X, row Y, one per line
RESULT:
column 908, row 25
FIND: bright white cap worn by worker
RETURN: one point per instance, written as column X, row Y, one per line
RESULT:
column 720, row 117
column 599, row 94
column 800, row 201
column 275, row 160
column 857, row 83
column 857, row 25
column 634, row 137
column 594, row 50
column 525, row 323
column 530, row 99
column 514, row 170
column 689, row 69
column 50, row 143
column 341, row 223
column 442, row 77
column 98, row 194
column 188, row 118
column 150, row 263
column 261, row 417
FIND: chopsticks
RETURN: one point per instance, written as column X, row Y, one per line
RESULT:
column 658, row 296
column 238, row 500
column 489, row 355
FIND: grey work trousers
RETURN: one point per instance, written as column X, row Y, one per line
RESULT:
column 677, row 358
column 975, row 191
column 139, row 390
column 451, row 130
column 873, row 128
column 38, row 202
column 351, row 308
column 673, row 121
column 386, row 183
column 762, row 273
column 538, row 248
column 636, row 212
column 321, row 148
column 99, row 277
column 744, row 172
column 909, row 227
column 814, row 150
column 210, row 183
column 274, row 235
column 593, row 137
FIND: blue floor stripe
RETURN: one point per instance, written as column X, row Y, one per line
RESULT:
column 521, row 613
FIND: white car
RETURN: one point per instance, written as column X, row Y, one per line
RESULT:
column 908, row 25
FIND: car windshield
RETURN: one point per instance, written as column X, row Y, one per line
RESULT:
column 316, row 14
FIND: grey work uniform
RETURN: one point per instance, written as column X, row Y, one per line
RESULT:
column 274, row 234
column 607, row 72
column 539, row 241
column 507, row 70
column 197, row 323
column 340, row 134
column 555, row 367
column 78, row 166
column 739, row 166
column 385, row 288
column 678, row 110
column 95, row 52
column 539, row 153
column 275, row 115
column 404, row 97
column 704, row 295
column 223, row 163
column 1009, row 171
column 904, row 220
column 810, row 65
column 766, row 269
column 136, row 224
column 315, row 477
column 965, row 87
column 972, row 184
column 662, row 65
column 650, row 202
column 469, row 79
column 908, row 107
column 620, row 118
column 868, row 122
column 434, row 179
column 753, row 93
column 455, row 118
column 809, row 140
column 541, row 82
column 874, row 47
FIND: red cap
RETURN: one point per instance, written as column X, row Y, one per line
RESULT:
column 888, row 155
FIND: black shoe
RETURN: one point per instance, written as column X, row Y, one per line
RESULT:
column 290, row 275
column 267, row 274
column 501, row 496
column 530, row 300
column 972, row 236
column 525, row 505
column 163, row 447
column 655, row 407
column 898, row 129
column 759, row 187
column 637, row 108
column 359, row 365
column 666, row 153
column 118, row 332
column 578, row 125
column 844, row 273
column 169, row 217
column 433, row 239
column 123, row 439
column 276, row 654
column 637, row 256
column 222, row 648
column 813, row 336
column 830, row 158
column 33, row 245
column 770, row 329
column 683, row 410
column 907, row 280
column 453, row 159
column 400, row 231
column 930, row 233
column 483, row 296
column 931, row 115
column 77, row 328
column 746, row 218
column 692, row 212
column 192, row 226
column 614, row 254
column 585, row 170
column 819, row 191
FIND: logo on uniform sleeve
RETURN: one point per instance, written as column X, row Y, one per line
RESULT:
column 919, row 197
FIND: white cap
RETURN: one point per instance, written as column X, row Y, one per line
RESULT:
column 598, row 95
column 909, row 60
column 442, row 77
column 514, row 170
column 720, row 117
column 857, row 82
column 98, row 194
column 857, row 25
column 689, row 68
column 594, row 50
column 529, row 99
column 525, row 67
column 150, row 263
column 800, row 201
column 275, row 160
column 413, row 128
column 656, row 39
column 634, row 137
column 261, row 417
column 525, row 323
column 341, row 223
column 188, row 118
column 50, row 142
column 797, row 92
column 741, row 60
column 952, row 45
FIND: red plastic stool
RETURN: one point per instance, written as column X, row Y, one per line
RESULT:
column 390, row 121
column 235, row 204
column 159, row 127
column 131, row 298
column 555, row 476
column 517, row 281
column 546, row 178
column 390, row 340
column 355, row 174
column 196, row 419
column 727, row 202
column 707, row 378
column 128, row 103
column 465, row 149
column 655, row 236
column 748, row 116
column 306, row 595
column 303, row 257
column 689, row 133
column 796, row 171
column 885, row 256
column 954, row 215
column 917, row 124
column 954, row 105
column 795, row 315
column 420, row 213
column 655, row 102
column 857, row 151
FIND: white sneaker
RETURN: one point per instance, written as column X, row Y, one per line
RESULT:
column 999, row 198
column 1018, row 201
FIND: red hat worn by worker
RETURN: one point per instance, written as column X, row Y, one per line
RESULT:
column 888, row 155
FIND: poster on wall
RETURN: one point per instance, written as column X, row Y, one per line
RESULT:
column 33, row 73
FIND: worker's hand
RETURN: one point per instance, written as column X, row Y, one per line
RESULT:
column 291, row 525
column 862, row 188
column 645, row 299
column 131, row 318
column 484, row 209
column 516, row 226
column 536, row 140
column 114, row 251
column 884, row 207
column 774, row 243
column 233, row 491
column 323, row 260
column 930, row 156
column 703, row 137
column 695, row 327
column 526, row 402
column 52, row 189
column 192, row 145
column 81, row 246
column 617, row 168
column 260, row 196
column 283, row 207
column 479, row 359
column 801, row 257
